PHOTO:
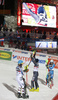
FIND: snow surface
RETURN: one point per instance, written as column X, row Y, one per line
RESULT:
column 9, row 85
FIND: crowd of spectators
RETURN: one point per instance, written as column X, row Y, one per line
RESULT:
column 20, row 40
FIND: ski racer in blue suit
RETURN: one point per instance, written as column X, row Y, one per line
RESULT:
column 50, row 74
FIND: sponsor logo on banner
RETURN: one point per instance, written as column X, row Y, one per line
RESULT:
column 51, row 57
column 21, row 58
column 25, row 56
column 1, row 49
column 16, row 51
column 25, row 52
column 37, row 54
column 14, row 56
column 6, row 49
column 42, row 55
column 42, row 61
column 5, row 55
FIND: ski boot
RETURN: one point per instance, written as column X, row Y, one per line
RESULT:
column 46, row 82
column 25, row 96
column 37, row 90
column 51, row 84
column 32, row 90
column 19, row 95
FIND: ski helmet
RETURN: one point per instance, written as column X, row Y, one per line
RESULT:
column 20, row 62
column 51, row 61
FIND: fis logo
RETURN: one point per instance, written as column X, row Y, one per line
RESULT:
column 49, row 56
column 14, row 57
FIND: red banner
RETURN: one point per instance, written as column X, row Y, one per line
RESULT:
column 55, row 59
column 56, row 97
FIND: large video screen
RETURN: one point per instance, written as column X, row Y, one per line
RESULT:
column 38, row 15
column 46, row 44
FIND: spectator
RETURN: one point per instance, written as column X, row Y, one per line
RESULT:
column 23, row 35
column 28, row 36
column 22, row 47
column 25, row 46
column 15, row 41
column 23, row 43
column 30, row 49
column 4, row 34
column 55, row 37
column 44, row 35
column 11, row 43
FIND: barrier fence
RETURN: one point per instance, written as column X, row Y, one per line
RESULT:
column 15, row 55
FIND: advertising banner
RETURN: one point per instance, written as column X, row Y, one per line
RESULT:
column 5, row 55
column 18, row 55
column 25, row 56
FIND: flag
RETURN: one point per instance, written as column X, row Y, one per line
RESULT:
column 0, row 2
column 2, row 39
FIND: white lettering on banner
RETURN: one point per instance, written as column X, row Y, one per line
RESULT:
column 53, row 57
column 57, row 64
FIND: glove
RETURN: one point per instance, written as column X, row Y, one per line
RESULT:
column 47, row 66
column 26, row 70
column 26, row 67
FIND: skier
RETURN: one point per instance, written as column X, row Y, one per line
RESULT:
column 35, row 73
column 40, row 16
column 49, row 77
column 21, row 80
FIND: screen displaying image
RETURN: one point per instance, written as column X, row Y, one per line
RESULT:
column 38, row 15
column 45, row 44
